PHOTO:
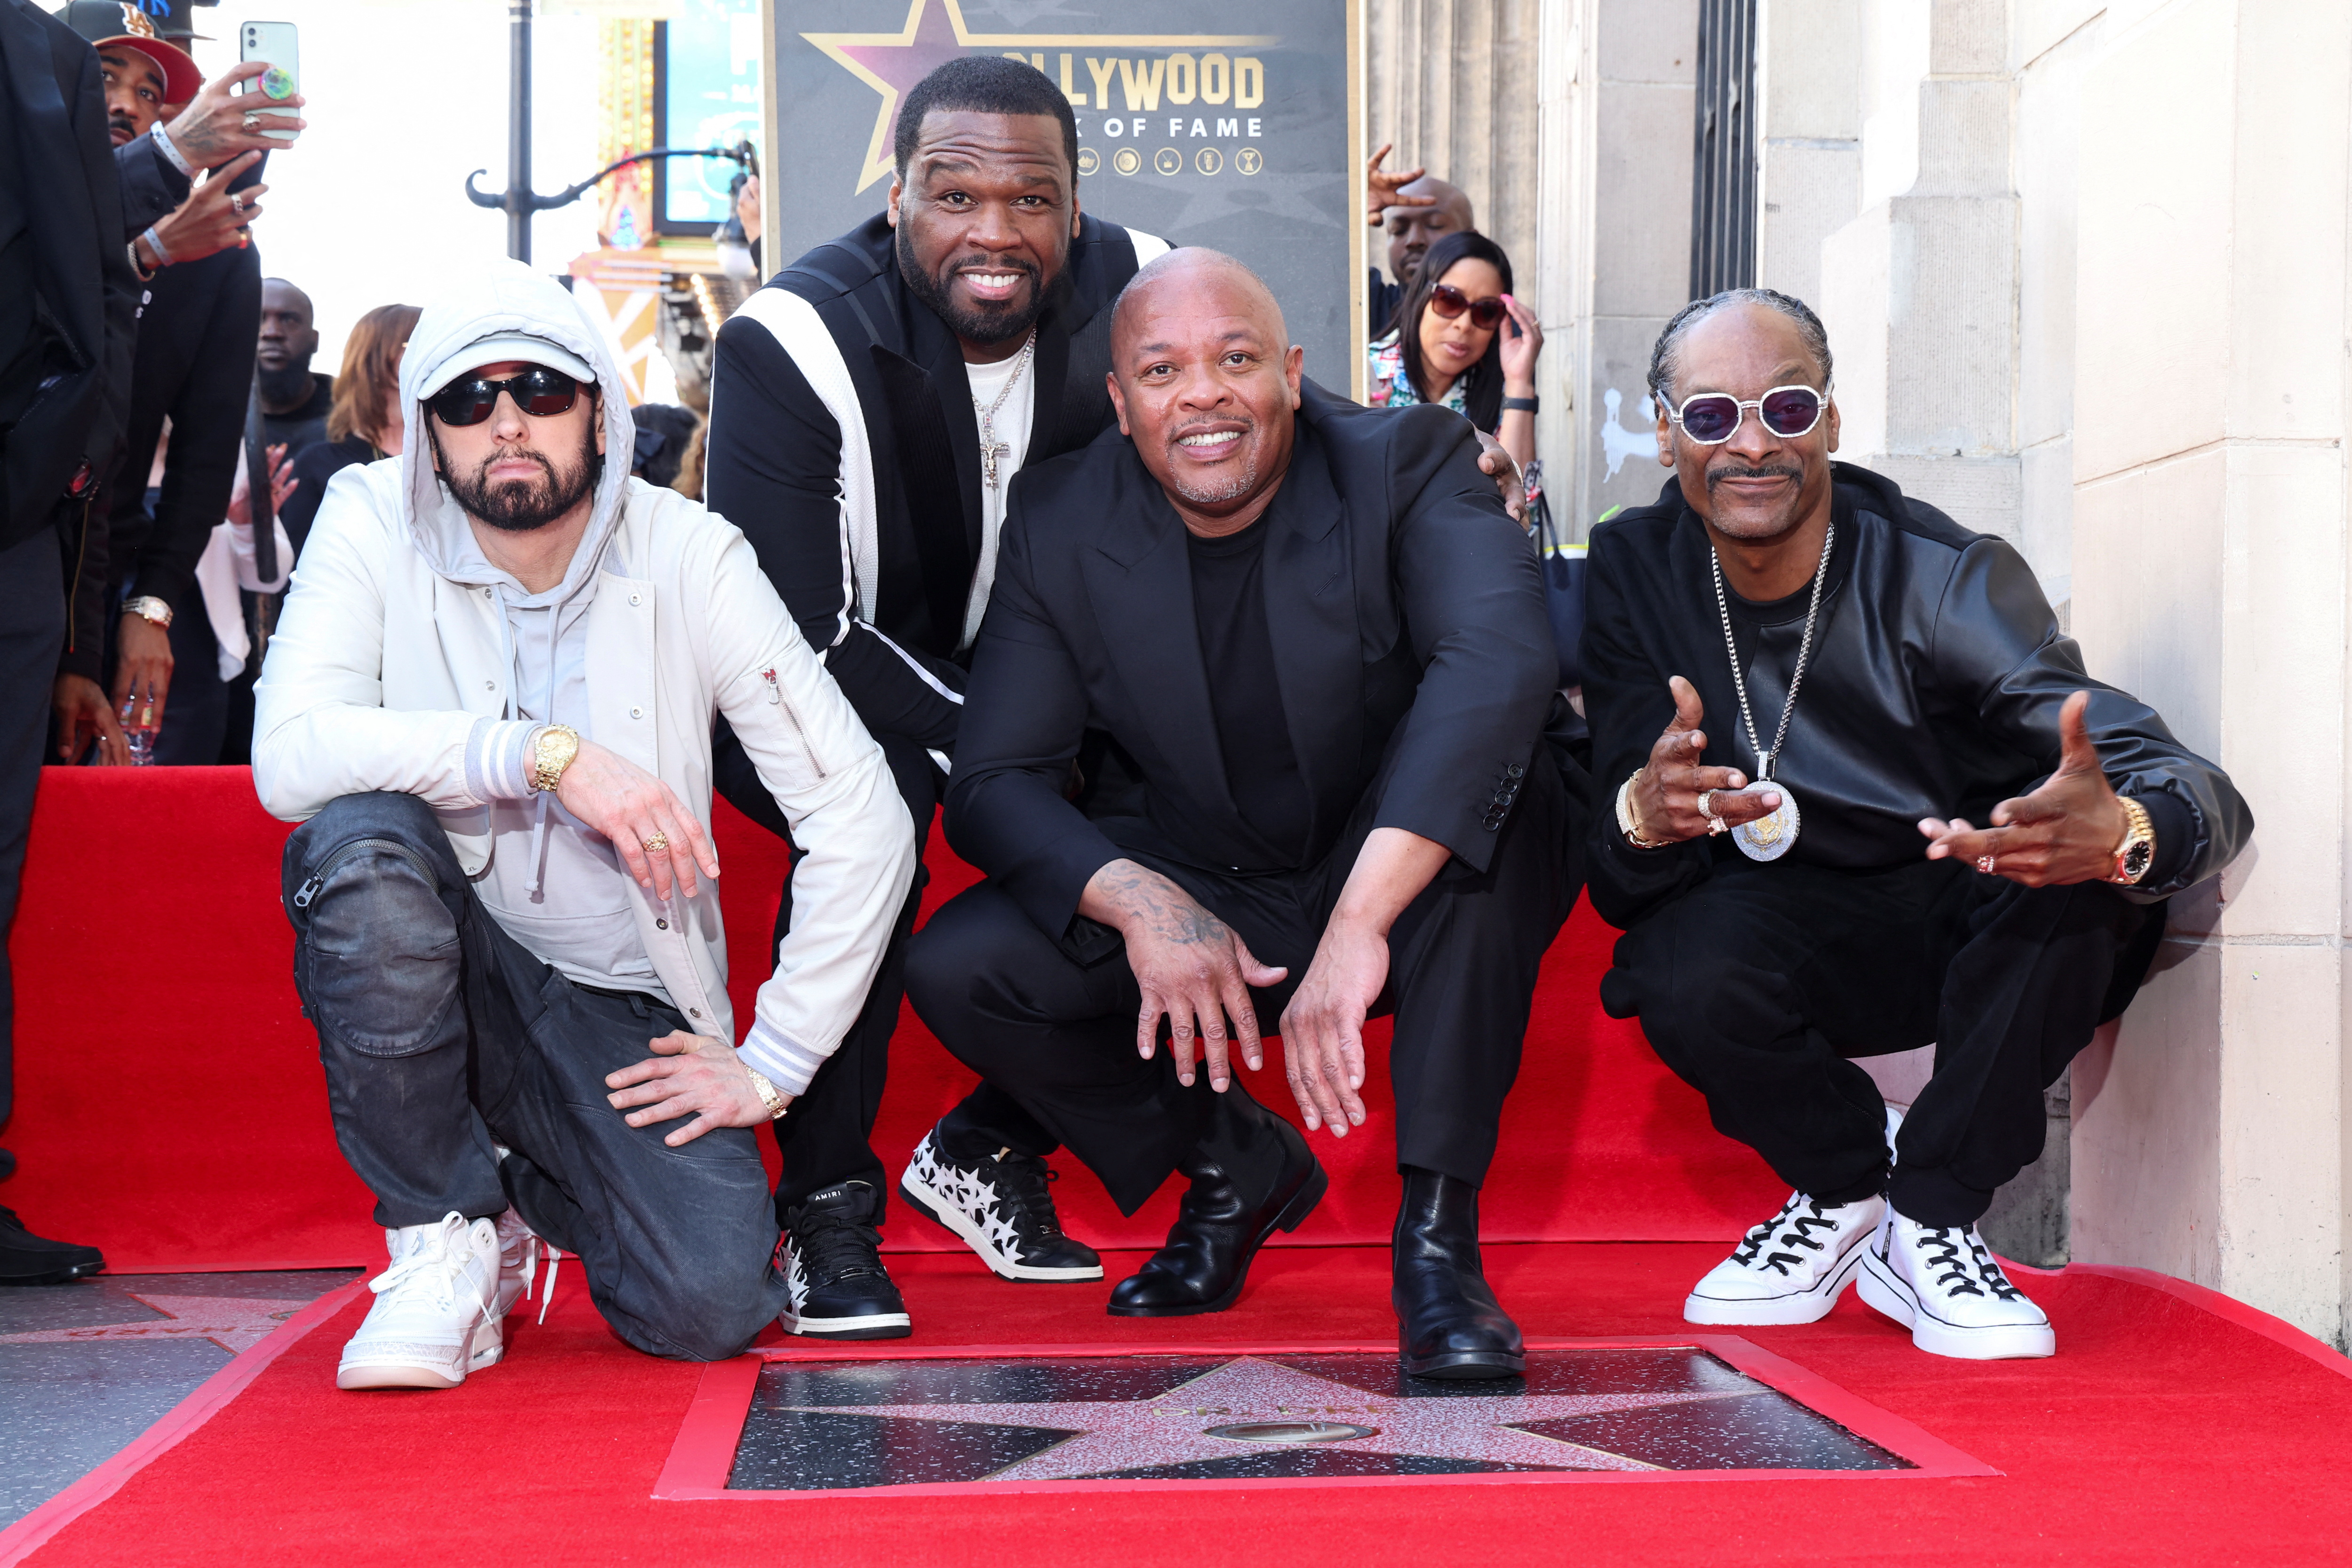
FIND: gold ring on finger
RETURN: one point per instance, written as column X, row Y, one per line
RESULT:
column 1985, row 864
column 658, row 843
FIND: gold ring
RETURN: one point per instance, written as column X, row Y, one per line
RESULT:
column 1985, row 864
column 658, row 843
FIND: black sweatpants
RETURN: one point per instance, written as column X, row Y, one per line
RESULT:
column 828, row 1136
column 1759, row 984
column 32, row 630
column 442, row 1034
column 1058, row 1035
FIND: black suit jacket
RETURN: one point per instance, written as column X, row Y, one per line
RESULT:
column 774, row 461
column 1409, row 633
column 69, row 312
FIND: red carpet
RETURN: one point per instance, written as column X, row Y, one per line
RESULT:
column 171, row 1108
column 2162, row 1433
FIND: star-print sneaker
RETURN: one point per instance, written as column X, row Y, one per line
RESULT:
column 1790, row 1269
column 831, row 1256
column 1002, row 1206
column 1945, row 1285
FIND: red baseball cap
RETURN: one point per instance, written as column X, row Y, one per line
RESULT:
column 121, row 24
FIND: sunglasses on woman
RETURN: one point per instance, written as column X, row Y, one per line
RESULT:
column 1711, row 418
column 1449, row 302
column 538, row 390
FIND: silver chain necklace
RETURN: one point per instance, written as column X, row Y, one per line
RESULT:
column 990, row 449
column 1769, row 838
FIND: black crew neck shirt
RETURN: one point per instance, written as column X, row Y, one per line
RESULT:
column 1237, row 651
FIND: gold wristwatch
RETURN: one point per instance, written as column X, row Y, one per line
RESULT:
column 2137, row 853
column 148, row 607
column 1626, row 822
column 768, row 1095
column 552, row 752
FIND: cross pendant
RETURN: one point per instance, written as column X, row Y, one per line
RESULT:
column 988, row 456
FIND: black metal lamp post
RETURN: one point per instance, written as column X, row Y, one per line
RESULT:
column 519, row 201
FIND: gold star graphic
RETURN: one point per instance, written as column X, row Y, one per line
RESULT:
column 892, row 63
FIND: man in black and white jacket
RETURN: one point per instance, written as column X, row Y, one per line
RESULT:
column 870, row 408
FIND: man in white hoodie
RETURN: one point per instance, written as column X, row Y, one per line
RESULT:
column 490, row 702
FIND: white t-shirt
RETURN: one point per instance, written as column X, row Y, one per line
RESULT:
column 1010, row 430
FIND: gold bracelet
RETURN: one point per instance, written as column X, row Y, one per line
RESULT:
column 775, row 1103
column 1626, row 823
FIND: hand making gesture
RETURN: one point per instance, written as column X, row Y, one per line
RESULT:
column 2063, row 833
column 1673, row 796
column 1380, row 187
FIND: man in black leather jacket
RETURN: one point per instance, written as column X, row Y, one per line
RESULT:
column 1779, row 921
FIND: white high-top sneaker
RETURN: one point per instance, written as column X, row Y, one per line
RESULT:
column 435, row 1317
column 1945, row 1285
column 1790, row 1269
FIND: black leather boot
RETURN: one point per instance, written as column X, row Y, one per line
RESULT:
column 1452, row 1325
column 1251, row 1174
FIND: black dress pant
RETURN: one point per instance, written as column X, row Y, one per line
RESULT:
column 32, row 630
column 828, row 1139
column 442, row 1035
column 1758, row 985
column 1058, row 1034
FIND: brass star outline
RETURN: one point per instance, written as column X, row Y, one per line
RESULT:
column 878, row 159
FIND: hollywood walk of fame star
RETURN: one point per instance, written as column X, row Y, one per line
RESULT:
column 1171, row 1428
column 235, row 1324
column 892, row 63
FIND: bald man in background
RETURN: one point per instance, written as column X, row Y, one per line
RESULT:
column 1415, row 206
column 1322, row 640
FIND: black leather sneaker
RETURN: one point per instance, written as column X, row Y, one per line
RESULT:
column 832, row 1258
column 1001, row 1205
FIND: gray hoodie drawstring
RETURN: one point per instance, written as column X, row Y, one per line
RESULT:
column 508, row 654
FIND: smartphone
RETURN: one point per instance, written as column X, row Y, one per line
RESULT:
column 277, row 45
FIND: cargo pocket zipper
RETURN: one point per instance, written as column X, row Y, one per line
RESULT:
column 308, row 891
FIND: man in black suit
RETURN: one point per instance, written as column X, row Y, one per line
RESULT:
column 69, row 304
column 1323, row 643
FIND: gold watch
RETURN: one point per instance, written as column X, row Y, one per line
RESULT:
column 552, row 752
column 2137, row 853
column 768, row 1094
column 148, row 607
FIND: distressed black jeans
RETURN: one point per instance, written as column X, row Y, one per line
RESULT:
column 442, row 1036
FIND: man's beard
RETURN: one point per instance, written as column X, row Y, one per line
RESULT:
column 1229, row 484
column 290, row 387
column 987, row 324
column 519, row 506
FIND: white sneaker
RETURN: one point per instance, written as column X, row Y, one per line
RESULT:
column 435, row 1317
column 1944, row 1284
column 1790, row 1269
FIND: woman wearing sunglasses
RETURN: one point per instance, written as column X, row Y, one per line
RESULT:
column 1462, row 340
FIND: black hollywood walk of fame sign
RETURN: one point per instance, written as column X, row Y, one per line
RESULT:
column 827, row 1425
column 1236, row 124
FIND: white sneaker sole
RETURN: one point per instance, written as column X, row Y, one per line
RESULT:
column 488, row 1347
column 873, row 1326
column 1777, row 1312
column 954, row 1219
column 1881, row 1286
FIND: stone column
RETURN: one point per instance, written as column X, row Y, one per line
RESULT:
column 2210, row 576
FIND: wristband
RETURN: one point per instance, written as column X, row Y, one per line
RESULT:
column 172, row 154
column 155, row 244
column 1523, row 405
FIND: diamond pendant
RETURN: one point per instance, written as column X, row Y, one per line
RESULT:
column 1769, row 838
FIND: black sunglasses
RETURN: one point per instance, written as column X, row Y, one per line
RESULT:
column 538, row 390
column 1449, row 302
